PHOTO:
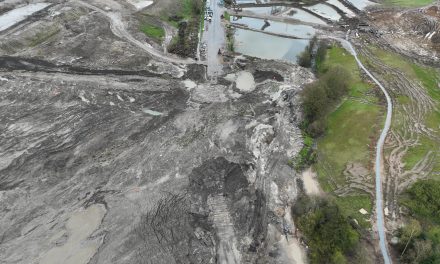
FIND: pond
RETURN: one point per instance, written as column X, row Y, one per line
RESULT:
column 304, row 16
column 324, row 11
column 14, row 16
column 301, row 31
column 342, row 7
column 266, row 46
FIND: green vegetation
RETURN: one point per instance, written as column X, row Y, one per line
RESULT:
column 306, row 156
column 351, row 128
column 192, row 8
column 419, row 239
column 227, row 16
column 408, row 3
column 43, row 36
column 189, row 23
column 230, row 39
column 429, row 78
column 423, row 199
column 328, row 232
column 306, row 57
column 350, row 206
column 153, row 31
column 320, row 97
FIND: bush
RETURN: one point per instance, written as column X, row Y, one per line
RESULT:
column 423, row 199
column 304, row 59
column 327, row 231
column 320, row 97
column 305, row 157
column 419, row 240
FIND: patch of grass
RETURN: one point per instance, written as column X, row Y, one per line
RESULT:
column 428, row 78
column 306, row 156
column 350, row 127
column 43, row 36
column 408, row 3
column 403, row 99
column 191, row 8
column 227, row 16
column 347, row 138
column 350, row 206
column 152, row 31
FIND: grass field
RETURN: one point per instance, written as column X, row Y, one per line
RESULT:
column 351, row 127
column 155, row 32
column 408, row 3
column 428, row 78
column 350, row 206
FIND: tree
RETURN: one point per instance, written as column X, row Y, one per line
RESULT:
column 304, row 59
column 314, row 101
column 328, row 233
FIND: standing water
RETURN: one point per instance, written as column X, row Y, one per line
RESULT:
column 14, row 16
column 300, row 31
column 361, row 4
column 325, row 11
column 269, row 47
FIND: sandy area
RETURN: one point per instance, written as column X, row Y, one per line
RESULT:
column 77, row 249
column 311, row 184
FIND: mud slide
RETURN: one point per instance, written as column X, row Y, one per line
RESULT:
column 379, row 147
column 118, row 28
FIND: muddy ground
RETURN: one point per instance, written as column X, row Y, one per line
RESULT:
column 111, row 155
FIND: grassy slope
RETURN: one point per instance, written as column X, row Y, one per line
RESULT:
column 429, row 78
column 153, row 31
column 408, row 3
column 351, row 128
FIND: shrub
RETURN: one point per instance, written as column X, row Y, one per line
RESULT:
column 327, row 231
column 320, row 97
column 423, row 199
column 304, row 59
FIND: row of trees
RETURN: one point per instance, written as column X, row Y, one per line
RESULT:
column 419, row 239
column 314, row 53
column 320, row 97
column 328, row 233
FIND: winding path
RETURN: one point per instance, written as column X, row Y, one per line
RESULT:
column 379, row 147
column 118, row 28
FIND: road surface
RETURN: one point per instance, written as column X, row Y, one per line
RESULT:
column 214, row 36
column 379, row 147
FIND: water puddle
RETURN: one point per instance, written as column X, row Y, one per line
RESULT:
column 189, row 84
column 245, row 81
column 14, row 16
column 140, row 4
column 301, row 31
column 246, row 1
column 267, row 10
column 324, row 11
column 269, row 47
column 342, row 7
column 151, row 112
column 361, row 4
column 304, row 16
column 79, row 248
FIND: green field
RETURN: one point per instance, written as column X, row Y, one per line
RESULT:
column 350, row 206
column 428, row 78
column 155, row 32
column 352, row 127
column 408, row 3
